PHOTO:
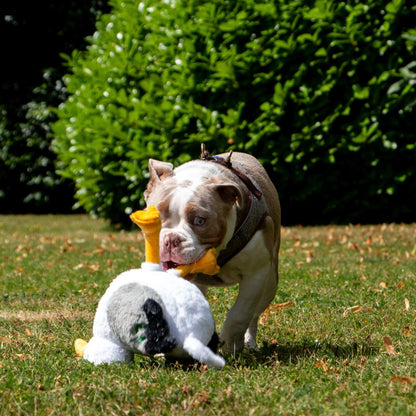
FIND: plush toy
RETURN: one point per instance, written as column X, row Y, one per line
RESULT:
column 148, row 311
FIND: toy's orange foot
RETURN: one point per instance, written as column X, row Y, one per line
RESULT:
column 207, row 264
column 80, row 346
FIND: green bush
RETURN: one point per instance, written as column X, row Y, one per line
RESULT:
column 321, row 91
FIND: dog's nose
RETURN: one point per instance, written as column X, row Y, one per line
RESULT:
column 171, row 241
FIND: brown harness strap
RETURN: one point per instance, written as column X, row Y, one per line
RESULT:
column 250, row 220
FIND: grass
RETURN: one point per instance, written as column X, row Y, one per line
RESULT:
column 352, row 289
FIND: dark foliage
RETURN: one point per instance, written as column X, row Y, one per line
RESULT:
column 33, row 34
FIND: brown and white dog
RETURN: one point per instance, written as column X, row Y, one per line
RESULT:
column 232, row 205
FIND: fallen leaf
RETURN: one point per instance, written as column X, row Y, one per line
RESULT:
column 92, row 267
column 340, row 388
column 388, row 345
column 6, row 340
column 282, row 305
column 322, row 364
column 400, row 285
column 407, row 304
column 265, row 316
column 273, row 307
column 28, row 333
column 353, row 246
column 407, row 331
column 203, row 397
column 403, row 379
column 383, row 285
column 354, row 309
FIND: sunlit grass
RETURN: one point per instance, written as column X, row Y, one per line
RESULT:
column 342, row 290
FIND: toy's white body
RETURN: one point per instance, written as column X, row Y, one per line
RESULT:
column 186, row 311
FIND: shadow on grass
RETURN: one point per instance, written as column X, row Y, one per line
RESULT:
column 287, row 354
column 292, row 353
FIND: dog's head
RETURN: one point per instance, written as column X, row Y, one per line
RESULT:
column 197, row 207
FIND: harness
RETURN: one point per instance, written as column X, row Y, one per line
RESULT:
column 250, row 219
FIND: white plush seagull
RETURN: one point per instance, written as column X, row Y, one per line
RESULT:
column 148, row 311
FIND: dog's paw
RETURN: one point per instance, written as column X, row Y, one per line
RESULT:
column 251, row 347
column 231, row 347
column 250, row 342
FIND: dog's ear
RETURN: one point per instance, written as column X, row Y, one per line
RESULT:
column 230, row 193
column 159, row 170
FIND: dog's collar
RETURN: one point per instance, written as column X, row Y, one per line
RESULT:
column 205, row 155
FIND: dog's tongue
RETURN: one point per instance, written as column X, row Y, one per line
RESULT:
column 166, row 265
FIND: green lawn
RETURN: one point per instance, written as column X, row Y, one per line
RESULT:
column 345, row 292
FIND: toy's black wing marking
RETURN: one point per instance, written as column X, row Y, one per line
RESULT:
column 158, row 338
column 213, row 343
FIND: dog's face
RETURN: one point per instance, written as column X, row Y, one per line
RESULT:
column 197, row 207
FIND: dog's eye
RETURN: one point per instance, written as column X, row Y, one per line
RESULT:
column 198, row 221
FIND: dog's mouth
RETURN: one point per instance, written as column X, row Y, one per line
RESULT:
column 167, row 265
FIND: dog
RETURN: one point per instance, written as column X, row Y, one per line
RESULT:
column 227, row 202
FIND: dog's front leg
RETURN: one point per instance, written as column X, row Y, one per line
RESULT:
column 252, row 299
column 267, row 295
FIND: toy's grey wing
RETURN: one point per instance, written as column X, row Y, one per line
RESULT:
column 135, row 315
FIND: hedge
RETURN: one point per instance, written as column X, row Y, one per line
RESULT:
column 320, row 91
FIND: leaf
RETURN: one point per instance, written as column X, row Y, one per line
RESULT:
column 403, row 379
column 407, row 332
column 273, row 307
column 354, row 309
column 265, row 316
column 282, row 305
column 322, row 364
column 388, row 345
column 6, row 340
column 407, row 304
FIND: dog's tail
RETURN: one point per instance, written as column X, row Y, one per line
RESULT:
column 200, row 352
